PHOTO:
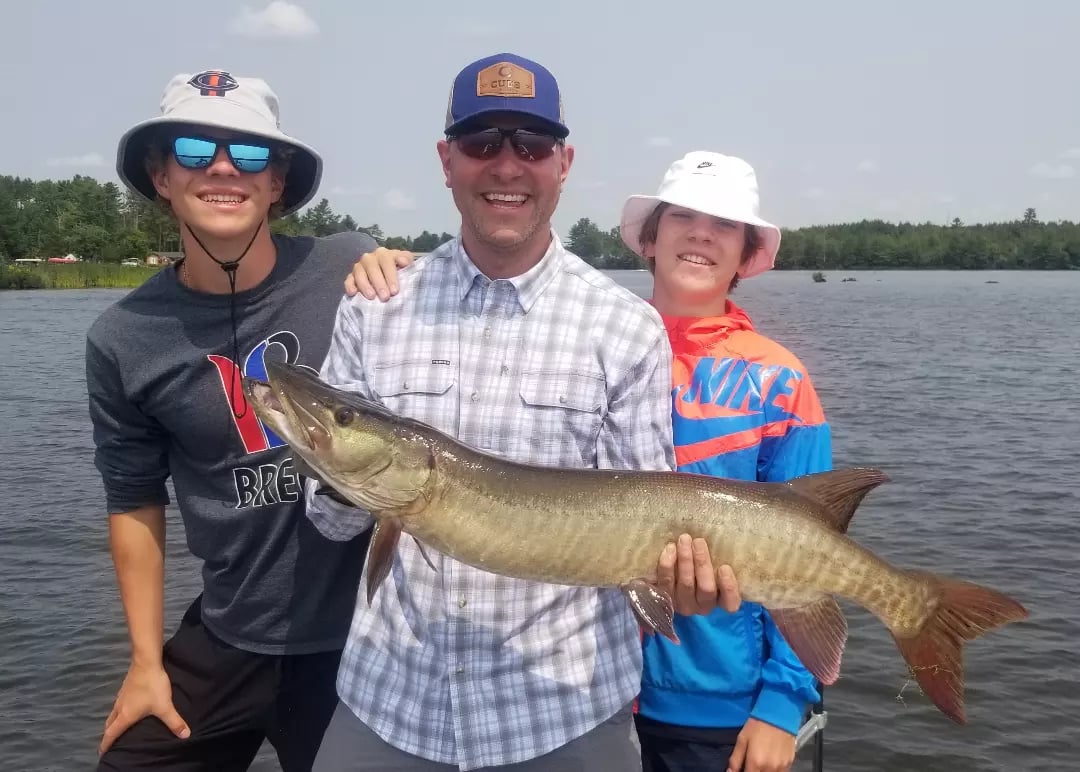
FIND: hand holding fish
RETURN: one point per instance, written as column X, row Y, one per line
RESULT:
column 685, row 572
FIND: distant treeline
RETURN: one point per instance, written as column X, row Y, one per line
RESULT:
column 100, row 222
column 873, row 244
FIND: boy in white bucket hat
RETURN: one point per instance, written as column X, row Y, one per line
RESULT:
column 733, row 694
column 256, row 655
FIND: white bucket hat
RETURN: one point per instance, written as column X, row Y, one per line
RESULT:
column 216, row 99
column 715, row 184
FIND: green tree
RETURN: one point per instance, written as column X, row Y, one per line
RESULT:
column 374, row 231
column 427, row 242
column 126, row 245
column 289, row 225
column 616, row 254
column 88, row 241
column 99, row 221
column 398, row 242
column 586, row 240
column 320, row 220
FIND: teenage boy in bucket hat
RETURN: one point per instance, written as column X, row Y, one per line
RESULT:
column 255, row 655
column 732, row 694
column 506, row 340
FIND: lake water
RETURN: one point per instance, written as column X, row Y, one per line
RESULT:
column 965, row 392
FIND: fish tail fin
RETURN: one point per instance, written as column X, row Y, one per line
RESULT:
column 963, row 612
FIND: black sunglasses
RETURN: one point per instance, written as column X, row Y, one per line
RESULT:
column 485, row 144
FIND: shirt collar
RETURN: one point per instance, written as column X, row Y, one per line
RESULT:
column 528, row 287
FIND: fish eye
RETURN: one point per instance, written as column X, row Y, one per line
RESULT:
column 344, row 416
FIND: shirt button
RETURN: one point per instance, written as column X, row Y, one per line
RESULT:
column 487, row 332
column 461, row 603
column 504, row 370
column 460, row 669
column 475, row 397
column 562, row 399
column 405, row 385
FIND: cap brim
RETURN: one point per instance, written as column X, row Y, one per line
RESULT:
column 557, row 129
column 637, row 209
column 301, row 182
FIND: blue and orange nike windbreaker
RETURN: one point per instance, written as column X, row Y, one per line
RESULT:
column 743, row 407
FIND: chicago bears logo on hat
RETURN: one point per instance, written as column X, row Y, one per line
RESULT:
column 214, row 82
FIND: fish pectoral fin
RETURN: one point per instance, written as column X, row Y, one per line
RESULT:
column 652, row 607
column 838, row 493
column 420, row 546
column 381, row 552
column 817, row 633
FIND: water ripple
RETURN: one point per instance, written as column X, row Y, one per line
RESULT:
column 921, row 374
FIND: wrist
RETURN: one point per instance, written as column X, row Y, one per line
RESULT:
column 779, row 708
column 146, row 658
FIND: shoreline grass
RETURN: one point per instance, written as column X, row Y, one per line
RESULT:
column 74, row 276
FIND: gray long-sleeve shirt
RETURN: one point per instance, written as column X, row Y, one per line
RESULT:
column 158, row 370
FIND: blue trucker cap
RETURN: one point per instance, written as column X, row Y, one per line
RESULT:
column 505, row 83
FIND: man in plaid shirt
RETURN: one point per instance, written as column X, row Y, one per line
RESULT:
column 509, row 342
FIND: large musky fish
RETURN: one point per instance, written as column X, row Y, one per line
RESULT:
column 785, row 541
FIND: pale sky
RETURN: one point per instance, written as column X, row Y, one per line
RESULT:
column 895, row 110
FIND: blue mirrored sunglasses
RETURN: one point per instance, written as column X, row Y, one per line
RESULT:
column 199, row 152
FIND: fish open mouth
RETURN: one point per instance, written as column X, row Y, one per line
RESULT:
column 317, row 437
column 261, row 393
column 287, row 417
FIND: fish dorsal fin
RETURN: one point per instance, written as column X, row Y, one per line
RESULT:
column 837, row 493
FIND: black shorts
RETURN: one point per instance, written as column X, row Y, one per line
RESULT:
column 232, row 700
column 671, row 748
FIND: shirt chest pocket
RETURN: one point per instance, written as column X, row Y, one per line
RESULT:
column 416, row 388
column 564, row 414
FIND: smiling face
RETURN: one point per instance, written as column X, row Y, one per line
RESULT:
column 695, row 259
column 506, row 202
column 217, row 200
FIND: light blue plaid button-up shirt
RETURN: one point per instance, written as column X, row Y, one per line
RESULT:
column 561, row 367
